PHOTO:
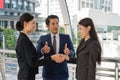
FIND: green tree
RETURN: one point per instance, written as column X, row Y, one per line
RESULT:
column 78, row 37
column 110, row 28
column 73, row 38
column 10, row 39
column 61, row 30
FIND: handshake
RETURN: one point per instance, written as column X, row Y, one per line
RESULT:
column 59, row 58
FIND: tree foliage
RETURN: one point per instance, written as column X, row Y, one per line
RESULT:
column 10, row 39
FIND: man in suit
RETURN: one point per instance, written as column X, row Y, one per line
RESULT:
column 55, row 43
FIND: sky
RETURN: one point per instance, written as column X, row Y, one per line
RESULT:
column 116, row 6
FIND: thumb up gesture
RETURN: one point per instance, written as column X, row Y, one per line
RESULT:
column 46, row 48
column 66, row 50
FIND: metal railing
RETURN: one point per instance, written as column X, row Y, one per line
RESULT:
column 116, row 61
column 115, row 70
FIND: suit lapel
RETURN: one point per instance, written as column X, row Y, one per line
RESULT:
column 50, row 42
column 81, row 47
column 84, row 45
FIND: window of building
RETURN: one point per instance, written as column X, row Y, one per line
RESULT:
column 2, row 13
column 11, row 13
column 83, row 4
column 87, row 5
column 91, row 5
column 105, row 2
column 31, row 7
column 2, row 24
column 102, row 8
column 18, row 14
column 7, row 3
column 105, row 8
column 79, row 4
column 5, row 13
column 109, row 3
column 20, row 6
column 108, row 8
column 25, row 5
column 14, row 4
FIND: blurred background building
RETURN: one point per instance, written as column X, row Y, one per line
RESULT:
column 10, row 11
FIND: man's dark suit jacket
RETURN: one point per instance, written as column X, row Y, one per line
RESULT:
column 87, row 55
column 55, row 70
column 28, row 57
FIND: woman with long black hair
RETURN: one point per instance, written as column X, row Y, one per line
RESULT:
column 88, row 51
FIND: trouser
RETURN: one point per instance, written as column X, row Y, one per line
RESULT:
column 55, row 78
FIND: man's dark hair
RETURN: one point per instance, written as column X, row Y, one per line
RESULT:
column 47, row 21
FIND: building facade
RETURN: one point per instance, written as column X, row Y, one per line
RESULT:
column 104, row 5
column 78, row 5
column 10, row 11
column 85, row 4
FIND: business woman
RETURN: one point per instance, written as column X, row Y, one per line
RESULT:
column 26, row 53
column 88, row 51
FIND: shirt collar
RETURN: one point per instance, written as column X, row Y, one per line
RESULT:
column 54, row 35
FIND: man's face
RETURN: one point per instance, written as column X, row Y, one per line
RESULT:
column 53, row 26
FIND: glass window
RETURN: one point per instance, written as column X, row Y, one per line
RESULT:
column 25, row 5
column 83, row 4
column 19, row 1
column 7, row 5
column 105, row 8
column 7, row 1
column 2, row 13
column 14, row 4
column 20, row 4
column 91, row 5
column 78, row 4
column 31, row 6
column 108, row 8
column 87, row 5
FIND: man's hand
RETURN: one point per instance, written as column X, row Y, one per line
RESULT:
column 66, row 50
column 46, row 48
column 59, row 58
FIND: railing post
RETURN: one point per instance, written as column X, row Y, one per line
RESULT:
column 1, row 68
column 116, row 71
column 3, row 41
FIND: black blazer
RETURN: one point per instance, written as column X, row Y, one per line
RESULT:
column 27, row 57
column 87, row 55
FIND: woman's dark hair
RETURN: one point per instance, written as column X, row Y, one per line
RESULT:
column 47, row 21
column 93, row 35
column 26, row 17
